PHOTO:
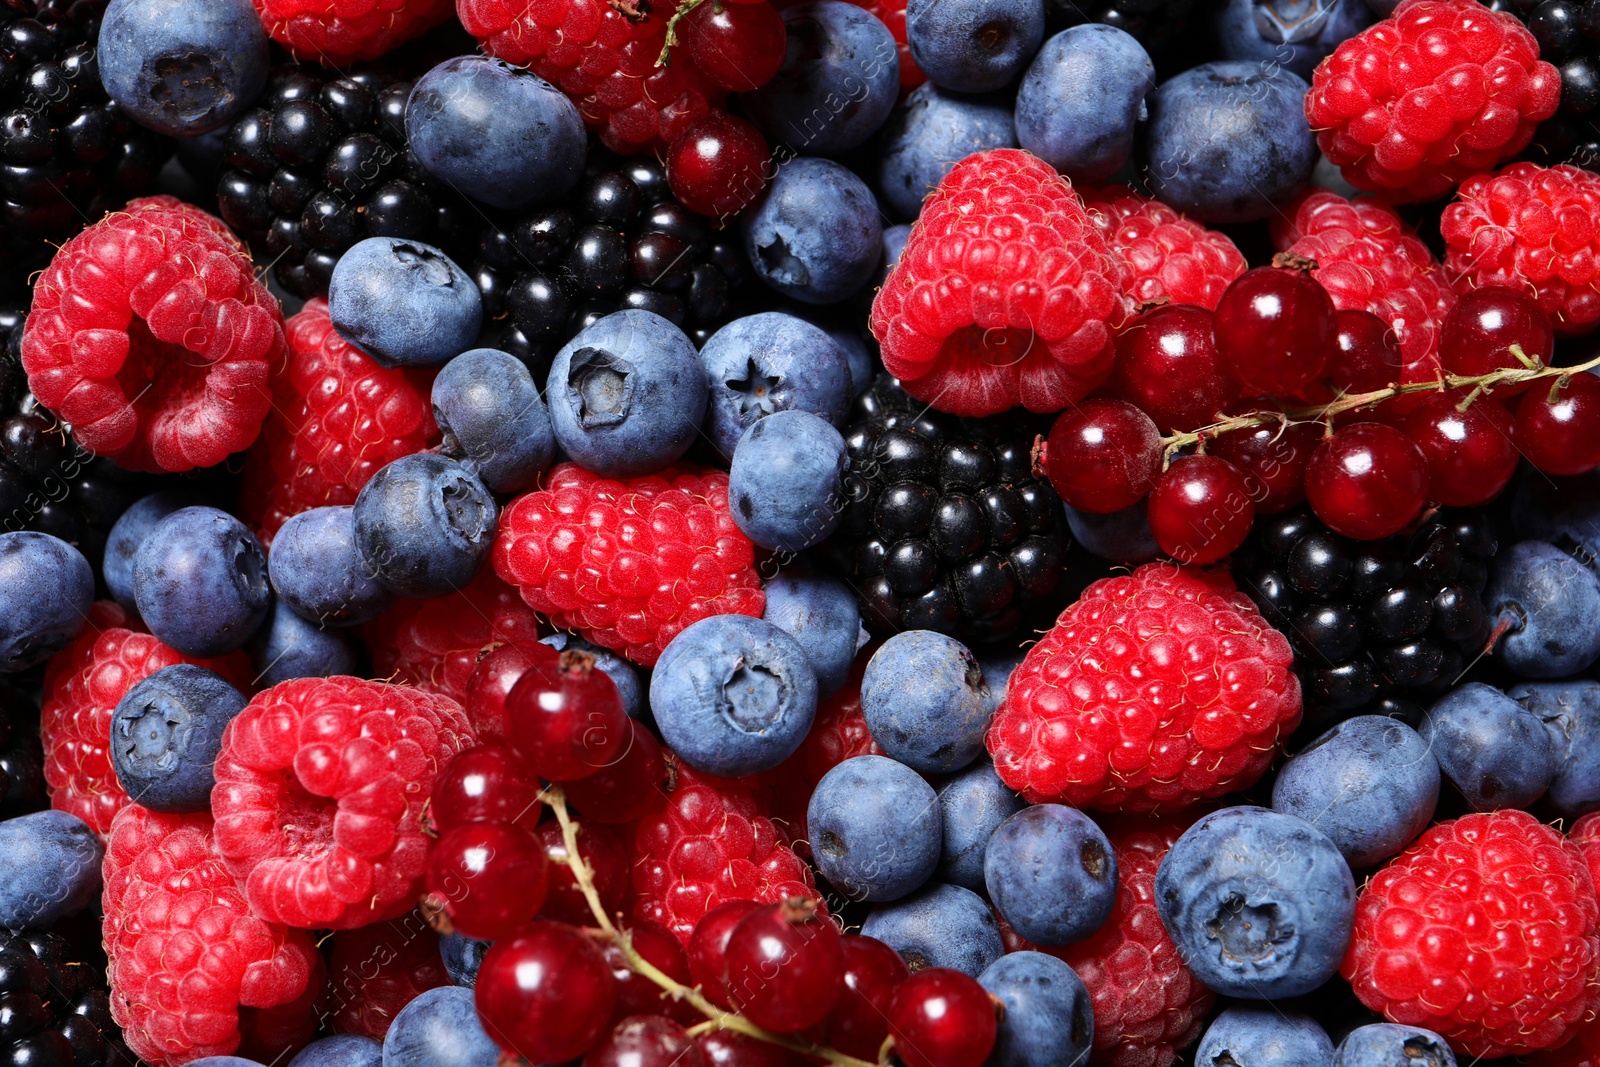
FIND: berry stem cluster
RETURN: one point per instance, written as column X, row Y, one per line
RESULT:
column 1532, row 369
column 716, row 1018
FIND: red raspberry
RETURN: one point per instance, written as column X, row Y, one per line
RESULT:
column 1584, row 1048
column 1531, row 228
column 1485, row 932
column 711, row 842
column 321, row 784
column 1441, row 90
column 379, row 969
column 337, row 418
column 150, row 335
column 82, row 685
column 892, row 13
column 185, row 951
column 1154, row 691
column 1147, row 1005
column 435, row 644
column 601, row 53
column 1005, row 294
column 337, row 32
column 631, row 564
column 1170, row 258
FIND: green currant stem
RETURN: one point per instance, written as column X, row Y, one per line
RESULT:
column 671, row 41
column 716, row 1018
column 1532, row 369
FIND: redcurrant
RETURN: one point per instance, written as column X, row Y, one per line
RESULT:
column 728, row 1048
column 1477, row 335
column 942, row 1018
column 718, row 165
column 1103, row 455
column 376, row 970
column 1366, row 356
column 859, row 1020
column 785, row 967
column 606, row 858
column 1275, row 330
column 646, row 1041
column 740, row 48
column 1200, row 510
column 1273, row 459
column 1558, row 426
column 487, row 783
column 638, row 995
column 1167, row 367
column 708, row 948
column 491, row 682
column 1367, row 481
column 567, row 719
column 629, row 788
column 1470, row 452
column 545, row 993
column 489, row 877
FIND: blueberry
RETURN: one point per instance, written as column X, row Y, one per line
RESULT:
column 1051, row 873
column 924, row 701
column 1550, row 604
column 1260, row 905
column 1562, row 511
column 53, row 868
column 894, row 243
column 316, row 569
column 1082, row 100
column 182, row 68
column 424, row 525
column 506, row 137
column 622, row 673
column 733, row 695
column 462, row 957
column 1497, row 752
column 1289, row 33
column 340, row 1050
column 200, row 581
column 46, row 587
column 493, row 419
column 819, row 611
column 226, row 1061
column 1048, row 1019
column 997, row 669
column 1248, row 1035
column 932, row 132
column 771, row 362
column 404, row 303
column 439, row 1028
column 815, row 235
column 1570, row 712
column 839, row 80
column 1370, row 784
column 1386, row 1044
column 1120, row 537
column 627, row 395
column 288, row 646
column 972, row 805
column 784, row 485
column 973, row 46
column 940, row 926
column 859, row 353
column 1227, row 141
column 128, row 533
column 874, row 828
column 165, row 735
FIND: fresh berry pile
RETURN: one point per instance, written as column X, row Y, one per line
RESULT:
column 756, row 533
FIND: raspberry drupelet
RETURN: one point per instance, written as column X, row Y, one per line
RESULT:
column 337, row 34
column 1170, row 258
column 1584, row 1048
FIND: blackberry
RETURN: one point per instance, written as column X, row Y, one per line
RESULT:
column 322, row 163
column 54, row 1009
column 1568, row 32
column 1162, row 26
column 945, row 526
column 70, row 154
column 620, row 240
column 22, row 787
column 1377, row 626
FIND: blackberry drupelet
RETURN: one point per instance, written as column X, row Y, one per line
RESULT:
column 1568, row 32
column 22, row 788
column 619, row 241
column 54, row 1008
column 1377, row 626
column 70, row 154
column 321, row 164
column 945, row 526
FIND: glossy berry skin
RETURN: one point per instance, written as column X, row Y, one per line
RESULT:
column 1275, row 330
column 491, row 682
column 485, row 784
column 785, row 966
column 567, row 722
column 1273, row 460
column 718, row 164
column 1200, row 509
column 626, row 788
column 1471, row 454
column 489, row 877
column 638, row 995
column 608, row 863
column 1103, row 456
column 859, row 1022
column 647, row 1040
column 1367, row 481
column 738, row 46
column 708, row 948
column 1367, row 355
column 1167, row 367
column 725, row 1048
column 1480, row 330
column 1558, row 429
column 545, row 994
column 942, row 1018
